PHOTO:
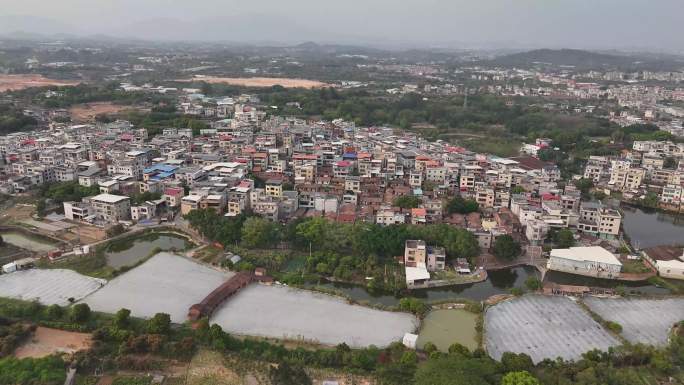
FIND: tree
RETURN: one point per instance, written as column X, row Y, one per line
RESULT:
column 216, row 227
column 513, row 362
column 462, row 206
column 409, row 358
column 122, row 318
column 564, row 238
column 446, row 370
column 505, row 247
column 407, row 202
column 459, row 349
column 284, row 374
column 2, row 241
column 314, row 231
column 259, row 232
column 519, row 378
column 115, row 230
column 206, row 88
column 159, row 324
column 584, row 185
column 518, row 190
column 650, row 200
column 414, row 306
column 54, row 312
column 429, row 347
column 80, row 313
column 533, row 283
column 670, row 162
column 44, row 371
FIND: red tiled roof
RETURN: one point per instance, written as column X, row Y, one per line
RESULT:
column 529, row 163
column 418, row 212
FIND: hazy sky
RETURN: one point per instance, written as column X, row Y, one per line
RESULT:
column 651, row 24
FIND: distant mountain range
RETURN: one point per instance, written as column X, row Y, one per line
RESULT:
column 268, row 30
column 585, row 60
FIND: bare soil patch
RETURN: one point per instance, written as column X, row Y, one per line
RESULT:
column 209, row 368
column 16, row 212
column 259, row 82
column 87, row 112
column 23, row 81
column 46, row 341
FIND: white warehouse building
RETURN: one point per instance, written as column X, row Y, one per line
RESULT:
column 593, row 261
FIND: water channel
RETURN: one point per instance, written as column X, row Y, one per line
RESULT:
column 499, row 282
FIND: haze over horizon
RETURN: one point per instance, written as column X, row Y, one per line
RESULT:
column 583, row 24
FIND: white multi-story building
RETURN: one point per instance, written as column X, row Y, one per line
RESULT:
column 110, row 208
column 599, row 221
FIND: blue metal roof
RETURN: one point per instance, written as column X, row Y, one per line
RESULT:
column 160, row 167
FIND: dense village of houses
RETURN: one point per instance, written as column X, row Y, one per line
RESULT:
column 287, row 168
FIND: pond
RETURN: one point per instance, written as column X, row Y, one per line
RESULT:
column 29, row 242
column 648, row 228
column 129, row 251
column 498, row 282
column 444, row 327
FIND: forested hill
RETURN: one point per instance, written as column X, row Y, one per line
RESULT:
column 586, row 60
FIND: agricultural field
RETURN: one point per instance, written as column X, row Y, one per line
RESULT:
column 165, row 283
column 294, row 314
column 49, row 287
column 543, row 327
column 646, row 321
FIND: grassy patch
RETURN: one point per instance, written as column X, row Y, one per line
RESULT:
column 634, row 267
column 209, row 368
column 208, row 254
column 455, row 277
column 93, row 265
column 86, row 380
column 132, row 380
column 675, row 286
column 497, row 146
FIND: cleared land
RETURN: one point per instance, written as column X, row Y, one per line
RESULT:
column 87, row 112
column 210, row 368
column 282, row 312
column 20, row 82
column 165, row 283
column 543, row 327
column 259, row 82
column 48, row 286
column 46, row 341
column 646, row 321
